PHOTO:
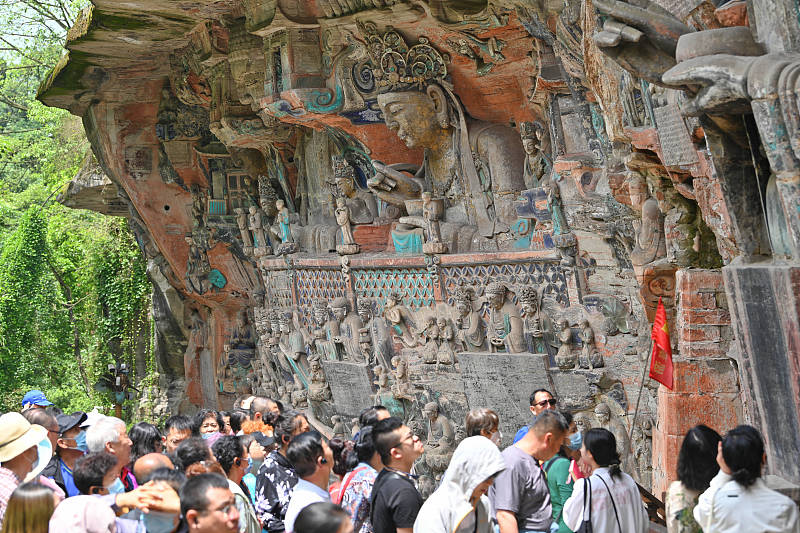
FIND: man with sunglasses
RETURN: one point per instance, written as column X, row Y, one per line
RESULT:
column 208, row 505
column 541, row 400
column 395, row 501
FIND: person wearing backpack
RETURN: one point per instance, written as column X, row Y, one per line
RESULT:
column 607, row 501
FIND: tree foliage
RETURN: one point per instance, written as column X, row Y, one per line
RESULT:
column 74, row 293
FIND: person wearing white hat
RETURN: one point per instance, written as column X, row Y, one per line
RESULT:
column 20, row 456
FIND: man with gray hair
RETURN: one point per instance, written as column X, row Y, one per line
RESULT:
column 520, row 495
column 110, row 434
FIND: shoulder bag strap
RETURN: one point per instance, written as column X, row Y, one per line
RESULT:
column 612, row 503
column 347, row 479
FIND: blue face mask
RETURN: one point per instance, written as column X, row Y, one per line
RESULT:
column 116, row 488
column 157, row 522
column 80, row 442
column 575, row 440
column 209, row 435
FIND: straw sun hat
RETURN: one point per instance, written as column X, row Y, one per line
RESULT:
column 17, row 435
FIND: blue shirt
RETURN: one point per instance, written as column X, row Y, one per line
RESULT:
column 69, row 481
column 521, row 433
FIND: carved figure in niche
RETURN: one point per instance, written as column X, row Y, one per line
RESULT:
column 292, row 344
column 257, row 222
column 429, row 338
column 319, row 391
column 440, row 440
column 649, row 230
column 589, row 357
column 583, row 421
column 446, row 354
column 603, row 414
column 537, row 164
column 287, row 246
column 339, row 428
column 348, row 245
column 362, row 204
column 564, row 357
column 400, row 319
column 643, row 448
column 381, row 380
column 343, row 328
column 536, row 324
column 197, row 268
column 226, row 376
column 367, row 355
column 471, row 335
column 555, row 206
column 324, row 346
column 299, row 396
column 379, row 332
column 432, row 211
column 476, row 165
column 505, row 325
column 285, row 395
column 242, row 341
column 402, row 388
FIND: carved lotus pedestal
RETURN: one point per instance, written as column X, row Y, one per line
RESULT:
column 347, row 249
column 434, row 248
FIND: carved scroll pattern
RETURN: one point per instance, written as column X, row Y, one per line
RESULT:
column 414, row 284
column 548, row 275
column 316, row 284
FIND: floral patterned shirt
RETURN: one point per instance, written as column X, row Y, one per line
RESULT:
column 274, row 483
column 356, row 497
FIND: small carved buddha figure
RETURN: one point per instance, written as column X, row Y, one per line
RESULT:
column 471, row 334
column 505, row 325
column 589, row 357
column 299, row 396
column 379, row 332
column 400, row 319
column 339, row 429
column 257, row 222
column 381, row 380
column 537, row 164
column 440, row 440
column 536, row 324
column 343, row 329
column 650, row 241
column 361, row 203
column 285, row 395
column 241, row 221
column 282, row 218
column 564, row 358
column 402, row 388
column 446, row 354
column 603, row 415
column 319, row 391
column 342, row 213
column 429, row 338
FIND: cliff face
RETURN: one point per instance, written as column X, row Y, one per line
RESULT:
column 434, row 205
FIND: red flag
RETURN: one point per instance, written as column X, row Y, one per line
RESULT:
column 661, row 360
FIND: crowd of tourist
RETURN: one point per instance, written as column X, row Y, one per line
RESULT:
column 264, row 468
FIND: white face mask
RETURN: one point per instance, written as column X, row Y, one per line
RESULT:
column 496, row 437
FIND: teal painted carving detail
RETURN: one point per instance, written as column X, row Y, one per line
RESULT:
column 414, row 284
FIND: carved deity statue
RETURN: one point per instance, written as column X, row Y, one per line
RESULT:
column 446, row 354
column 400, row 319
column 242, row 342
column 537, row 163
column 432, row 212
column 471, row 334
column 429, row 339
column 282, row 220
column 535, row 323
column 348, row 245
column 322, row 335
column 257, row 222
column 402, row 388
column 285, row 395
column 505, row 325
column 244, row 231
column 318, row 391
column 361, row 203
column 440, row 440
column 602, row 413
column 477, row 165
column 379, row 332
column 339, row 428
column 649, row 230
column 589, row 357
column 343, row 329
column 292, row 343
column 564, row 357
column 299, row 396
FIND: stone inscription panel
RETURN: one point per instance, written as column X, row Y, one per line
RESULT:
column 351, row 386
column 676, row 145
column 503, row 383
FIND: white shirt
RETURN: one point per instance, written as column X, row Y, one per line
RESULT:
column 728, row 507
column 630, row 507
column 303, row 495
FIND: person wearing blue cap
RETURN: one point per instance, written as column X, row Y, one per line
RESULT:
column 70, row 446
column 35, row 399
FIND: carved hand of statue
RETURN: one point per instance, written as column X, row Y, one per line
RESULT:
column 723, row 79
column 641, row 38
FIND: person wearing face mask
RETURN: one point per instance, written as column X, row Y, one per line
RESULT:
column 70, row 446
column 460, row 504
column 48, row 421
column 110, row 434
column 557, row 470
column 484, row 422
column 19, row 454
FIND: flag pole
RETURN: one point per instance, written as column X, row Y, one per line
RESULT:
column 639, row 398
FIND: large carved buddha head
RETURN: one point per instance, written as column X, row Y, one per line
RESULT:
column 419, row 118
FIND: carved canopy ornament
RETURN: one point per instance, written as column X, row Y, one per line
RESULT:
column 396, row 66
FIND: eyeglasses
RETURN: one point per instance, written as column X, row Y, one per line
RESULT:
column 551, row 401
column 226, row 510
column 401, row 441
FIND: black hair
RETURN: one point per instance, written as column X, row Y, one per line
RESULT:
column 203, row 414
column 365, row 445
column 384, row 438
column 237, row 418
column 91, row 469
column 537, row 391
column 226, row 450
column 194, row 493
column 320, row 517
column 697, row 460
column 369, row 416
column 303, row 452
column 743, row 451
column 144, row 437
column 173, row 478
column 191, row 451
column 568, row 418
column 285, row 425
column 603, row 446
column 344, row 457
column 53, row 410
column 179, row 423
